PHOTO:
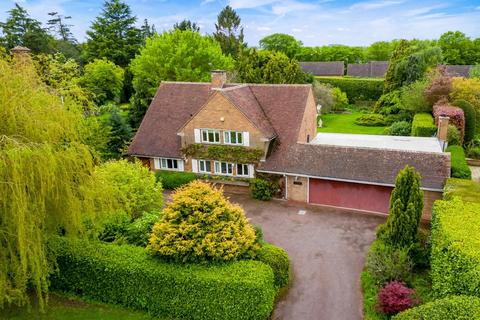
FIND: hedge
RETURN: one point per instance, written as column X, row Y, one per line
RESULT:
column 277, row 259
column 467, row 190
column 455, row 253
column 127, row 276
column 423, row 126
column 174, row 179
column 470, row 118
column 357, row 89
column 460, row 168
column 450, row 308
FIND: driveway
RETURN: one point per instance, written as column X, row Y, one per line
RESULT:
column 327, row 247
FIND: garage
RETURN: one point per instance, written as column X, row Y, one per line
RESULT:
column 349, row 195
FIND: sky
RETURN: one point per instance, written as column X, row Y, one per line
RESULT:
column 314, row 22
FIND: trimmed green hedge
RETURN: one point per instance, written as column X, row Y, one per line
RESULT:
column 460, row 168
column 127, row 276
column 174, row 179
column 467, row 190
column 423, row 125
column 357, row 89
column 450, row 308
column 455, row 240
column 277, row 259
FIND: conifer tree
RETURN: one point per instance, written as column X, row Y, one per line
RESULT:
column 120, row 133
column 186, row 25
column 229, row 32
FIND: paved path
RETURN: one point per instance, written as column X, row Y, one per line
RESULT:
column 327, row 247
column 475, row 173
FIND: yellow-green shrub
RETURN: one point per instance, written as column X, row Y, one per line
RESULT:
column 201, row 225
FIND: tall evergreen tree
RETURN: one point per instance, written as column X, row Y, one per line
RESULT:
column 21, row 30
column 229, row 32
column 113, row 34
column 406, row 206
column 186, row 25
column 120, row 133
column 58, row 26
column 147, row 30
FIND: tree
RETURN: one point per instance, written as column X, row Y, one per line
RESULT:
column 104, row 80
column 229, row 32
column 379, row 51
column 406, row 206
column 201, row 225
column 177, row 56
column 147, row 30
column 120, row 135
column 59, row 26
column 21, row 30
column 457, row 48
column 113, row 35
column 268, row 67
column 45, row 170
column 186, row 25
column 281, row 42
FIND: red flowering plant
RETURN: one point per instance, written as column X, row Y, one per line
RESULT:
column 395, row 297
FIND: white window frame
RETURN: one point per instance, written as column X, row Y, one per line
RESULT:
column 219, row 164
column 227, row 134
column 162, row 164
column 243, row 166
column 204, row 164
column 208, row 131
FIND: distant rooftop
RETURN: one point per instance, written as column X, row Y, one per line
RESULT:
column 420, row 144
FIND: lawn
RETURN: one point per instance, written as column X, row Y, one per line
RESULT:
column 345, row 123
column 62, row 308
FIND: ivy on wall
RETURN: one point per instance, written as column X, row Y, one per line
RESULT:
column 235, row 154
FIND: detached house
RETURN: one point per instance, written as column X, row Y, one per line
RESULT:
column 238, row 130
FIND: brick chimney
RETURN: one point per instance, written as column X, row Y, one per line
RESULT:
column 442, row 128
column 219, row 77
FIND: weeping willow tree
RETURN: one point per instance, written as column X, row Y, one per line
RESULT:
column 45, row 178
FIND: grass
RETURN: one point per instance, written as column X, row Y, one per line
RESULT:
column 345, row 123
column 467, row 190
column 63, row 308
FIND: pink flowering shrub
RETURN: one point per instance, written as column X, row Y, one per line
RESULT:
column 395, row 297
column 456, row 115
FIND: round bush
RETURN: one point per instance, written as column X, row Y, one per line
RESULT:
column 201, row 225
column 453, row 136
column 277, row 259
column 474, row 152
column 261, row 189
column 370, row 120
column 395, row 297
column 400, row 128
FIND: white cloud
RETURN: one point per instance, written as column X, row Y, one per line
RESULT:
column 373, row 5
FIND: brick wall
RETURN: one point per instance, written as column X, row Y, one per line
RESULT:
column 297, row 188
column 308, row 128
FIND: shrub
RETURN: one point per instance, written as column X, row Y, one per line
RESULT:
column 385, row 263
column 406, row 205
column 115, row 227
column 412, row 97
column 324, row 96
column 402, row 115
column 132, row 185
column 455, row 114
column 439, row 86
column 258, row 232
column 127, row 276
column 475, row 71
column 201, row 225
column 104, row 80
column 340, row 99
column 453, row 136
column 470, row 119
column 450, row 308
column 172, row 180
column 395, row 297
column 138, row 232
column 356, row 89
column 456, row 248
column 370, row 120
column 467, row 89
column 277, row 259
column 474, row 153
column 460, row 167
column 262, row 189
column 467, row 190
column 400, row 128
column 388, row 103
column 370, row 293
column 423, row 126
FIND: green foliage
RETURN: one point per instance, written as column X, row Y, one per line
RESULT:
column 229, row 32
column 262, row 189
column 332, row 53
column 475, row 71
column 388, row 103
column 126, row 275
column 357, row 89
column 453, row 136
column 323, row 96
column 281, row 42
column 450, row 308
column 467, row 89
column 200, row 225
column 172, row 180
column 457, row 48
column 406, row 205
column 235, row 154
column 412, row 97
column 470, row 119
column 379, row 51
column 113, row 35
column 104, row 80
column 185, row 25
column 120, row 134
column 467, row 190
column 474, row 153
column 340, row 99
column 132, row 186
column 138, row 232
column 371, row 120
column 115, row 227
column 386, row 263
column 264, row 66
column 456, row 248
column 423, row 126
column 175, row 56
column 400, row 128
column 460, row 167
column 277, row 259
column 370, row 293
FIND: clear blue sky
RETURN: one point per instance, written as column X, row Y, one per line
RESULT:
column 313, row 22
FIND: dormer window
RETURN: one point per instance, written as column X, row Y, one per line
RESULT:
column 233, row 137
column 210, row 136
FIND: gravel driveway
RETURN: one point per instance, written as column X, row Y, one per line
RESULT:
column 327, row 247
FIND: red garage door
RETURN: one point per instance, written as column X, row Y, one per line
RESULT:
column 350, row 195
